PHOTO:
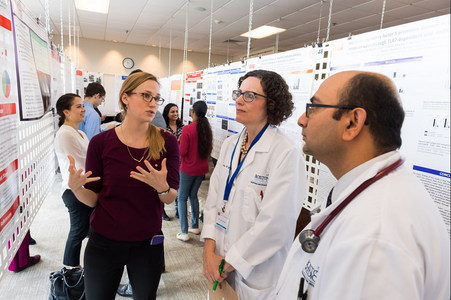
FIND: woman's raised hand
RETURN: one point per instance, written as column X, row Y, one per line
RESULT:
column 151, row 176
column 76, row 179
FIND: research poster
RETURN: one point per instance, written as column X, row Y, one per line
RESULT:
column 193, row 93
column 175, row 92
column 33, row 66
column 79, row 86
column 416, row 56
column 165, row 88
column 296, row 67
column 56, row 84
column 9, row 152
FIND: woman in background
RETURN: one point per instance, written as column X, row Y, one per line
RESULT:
column 135, row 170
column 195, row 148
column 174, row 125
column 71, row 141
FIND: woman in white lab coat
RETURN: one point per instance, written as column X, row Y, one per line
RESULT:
column 251, row 221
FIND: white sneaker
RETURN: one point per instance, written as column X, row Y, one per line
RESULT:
column 194, row 230
column 183, row 236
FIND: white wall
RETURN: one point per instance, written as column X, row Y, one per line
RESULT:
column 106, row 57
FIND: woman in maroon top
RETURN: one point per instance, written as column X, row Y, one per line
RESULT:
column 131, row 172
column 195, row 149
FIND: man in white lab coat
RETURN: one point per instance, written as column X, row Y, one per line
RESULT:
column 390, row 241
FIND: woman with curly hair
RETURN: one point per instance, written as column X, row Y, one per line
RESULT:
column 256, row 191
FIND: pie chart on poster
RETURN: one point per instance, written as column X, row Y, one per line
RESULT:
column 6, row 82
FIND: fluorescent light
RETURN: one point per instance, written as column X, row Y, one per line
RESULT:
column 263, row 31
column 98, row 6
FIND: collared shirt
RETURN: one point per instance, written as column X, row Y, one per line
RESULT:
column 91, row 124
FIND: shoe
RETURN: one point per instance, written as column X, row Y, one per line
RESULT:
column 124, row 291
column 31, row 262
column 183, row 236
column 32, row 241
column 165, row 216
column 194, row 230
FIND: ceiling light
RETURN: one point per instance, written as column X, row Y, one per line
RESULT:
column 98, row 6
column 114, row 41
column 199, row 8
column 153, row 45
column 189, row 50
column 263, row 31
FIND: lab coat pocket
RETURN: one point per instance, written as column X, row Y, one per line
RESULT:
column 245, row 292
column 252, row 199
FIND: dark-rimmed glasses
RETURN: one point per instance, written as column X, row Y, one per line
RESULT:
column 247, row 96
column 309, row 107
column 148, row 98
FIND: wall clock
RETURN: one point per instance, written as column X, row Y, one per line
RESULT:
column 128, row 63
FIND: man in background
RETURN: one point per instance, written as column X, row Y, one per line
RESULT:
column 390, row 241
column 95, row 95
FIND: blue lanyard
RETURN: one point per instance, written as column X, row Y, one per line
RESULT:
column 230, row 180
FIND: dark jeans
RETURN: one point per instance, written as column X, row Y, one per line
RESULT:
column 105, row 260
column 79, row 214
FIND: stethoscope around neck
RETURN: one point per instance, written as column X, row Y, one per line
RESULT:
column 309, row 238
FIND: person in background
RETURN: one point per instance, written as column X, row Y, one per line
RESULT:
column 256, row 191
column 22, row 260
column 95, row 95
column 131, row 172
column 174, row 125
column 196, row 143
column 69, row 140
column 390, row 241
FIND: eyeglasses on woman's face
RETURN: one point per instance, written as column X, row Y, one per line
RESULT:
column 248, row 96
column 148, row 98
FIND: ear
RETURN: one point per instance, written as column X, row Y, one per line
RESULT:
column 124, row 98
column 355, row 122
column 66, row 112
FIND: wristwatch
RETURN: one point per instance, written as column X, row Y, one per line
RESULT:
column 164, row 193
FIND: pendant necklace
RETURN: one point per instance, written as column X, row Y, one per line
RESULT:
column 137, row 160
column 243, row 144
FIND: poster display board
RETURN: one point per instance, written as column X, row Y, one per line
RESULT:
column 175, row 92
column 118, row 81
column 9, row 139
column 32, row 59
column 416, row 57
column 193, row 93
column 296, row 67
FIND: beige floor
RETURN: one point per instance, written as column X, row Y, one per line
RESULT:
column 183, row 278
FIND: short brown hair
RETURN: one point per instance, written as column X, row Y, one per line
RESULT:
column 279, row 101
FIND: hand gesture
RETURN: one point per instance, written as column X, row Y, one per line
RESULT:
column 154, row 178
column 76, row 179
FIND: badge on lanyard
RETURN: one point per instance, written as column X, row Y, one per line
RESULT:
column 222, row 221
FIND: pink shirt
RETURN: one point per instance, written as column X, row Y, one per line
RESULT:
column 192, row 164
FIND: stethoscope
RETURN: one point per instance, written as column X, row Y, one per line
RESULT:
column 309, row 238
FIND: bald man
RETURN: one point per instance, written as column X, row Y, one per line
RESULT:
column 390, row 241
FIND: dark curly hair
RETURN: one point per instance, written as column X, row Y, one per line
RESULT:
column 279, row 103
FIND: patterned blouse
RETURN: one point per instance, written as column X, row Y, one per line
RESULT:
column 178, row 133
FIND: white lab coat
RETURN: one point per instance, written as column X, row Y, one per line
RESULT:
column 390, row 242
column 265, row 202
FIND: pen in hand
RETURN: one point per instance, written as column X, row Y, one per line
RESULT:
column 221, row 266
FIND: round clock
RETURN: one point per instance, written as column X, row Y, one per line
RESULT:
column 128, row 63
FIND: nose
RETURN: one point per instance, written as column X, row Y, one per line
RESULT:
column 240, row 99
column 303, row 120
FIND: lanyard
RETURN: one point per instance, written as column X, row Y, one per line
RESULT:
column 229, row 184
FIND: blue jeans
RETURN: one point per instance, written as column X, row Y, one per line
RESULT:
column 189, row 185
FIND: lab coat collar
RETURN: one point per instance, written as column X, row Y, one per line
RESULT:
column 263, row 145
column 352, row 180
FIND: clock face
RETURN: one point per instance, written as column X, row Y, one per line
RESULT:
column 128, row 63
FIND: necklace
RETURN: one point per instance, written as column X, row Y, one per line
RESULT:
column 145, row 150
column 243, row 144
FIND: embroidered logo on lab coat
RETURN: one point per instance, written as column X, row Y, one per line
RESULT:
column 260, row 179
column 310, row 273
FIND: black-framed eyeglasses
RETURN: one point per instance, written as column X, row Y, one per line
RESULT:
column 148, row 98
column 310, row 107
column 247, row 96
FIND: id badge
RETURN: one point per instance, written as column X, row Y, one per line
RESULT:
column 222, row 221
